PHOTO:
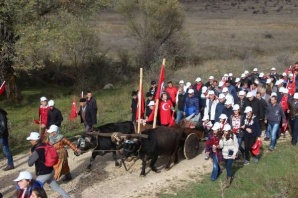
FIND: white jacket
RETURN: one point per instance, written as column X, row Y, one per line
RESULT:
column 212, row 110
column 226, row 145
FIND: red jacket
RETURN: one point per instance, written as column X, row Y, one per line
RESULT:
column 172, row 91
column 43, row 114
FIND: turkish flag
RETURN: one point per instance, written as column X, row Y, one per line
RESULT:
column 73, row 112
column 158, row 91
column 165, row 112
column 284, row 103
column 2, row 88
column 141, row 97
column 291, row 86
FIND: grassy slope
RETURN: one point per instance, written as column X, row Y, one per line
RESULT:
column 273, row 176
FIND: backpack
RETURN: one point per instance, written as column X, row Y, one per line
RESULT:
column 50, row 154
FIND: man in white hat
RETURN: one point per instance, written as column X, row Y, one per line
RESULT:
column 274, row 75
column 210, row 107
column 242, row 101
column 191, row 104
column 279, row 89
column 228, row 96
column 220, row 106
column 254, row 75
column 54, row 115
column 43, row 114
column 255, row 104
column 197, row 87
column 293, row 111
column 44, row 173
column 180, row 101
column 210, row 81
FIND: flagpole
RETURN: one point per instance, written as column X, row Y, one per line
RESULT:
column 140, row 99
column 157, row 100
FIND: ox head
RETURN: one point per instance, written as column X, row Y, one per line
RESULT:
column 85, row 143
column 130, row 147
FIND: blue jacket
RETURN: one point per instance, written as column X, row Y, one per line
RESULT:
column 191, row 106
column 218, row 110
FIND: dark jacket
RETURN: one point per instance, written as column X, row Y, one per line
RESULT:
column 181, row 101
column 275, row 114
column 93, row 106
column 3, row 124
column 228, row 112
column 38, row 158
column 255, row 104
column 254, row 126
column 54, row 117
column 134, row 106
column 218, row 110
column 242, row 104
column 88, row 115
column 293, row 108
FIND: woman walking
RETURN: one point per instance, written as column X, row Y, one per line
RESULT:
column 235, row 123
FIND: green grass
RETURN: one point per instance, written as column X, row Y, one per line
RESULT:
column 113, row 106
column 275, row 175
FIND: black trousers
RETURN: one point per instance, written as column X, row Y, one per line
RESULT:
column 248, row 142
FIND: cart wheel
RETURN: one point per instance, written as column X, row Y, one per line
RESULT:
column 191, row 146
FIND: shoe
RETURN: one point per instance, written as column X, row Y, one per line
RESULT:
column 266, row 139
column 8, row 167
column 228, row 182
column 246, row 163
column 67, row 177
column 207, row 157
column 271, row 148
column 256, row 159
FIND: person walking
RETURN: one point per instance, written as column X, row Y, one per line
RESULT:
column 26, row 184
column 273, row 117
column 4, row 140
column 44, row 173
column 229, row 145
column 252, row 133
column 293, row 111
column 43, row 114
column 85, row 114
column 54, row 115
column 91, row 102
column 235, row 123
column 59, row 142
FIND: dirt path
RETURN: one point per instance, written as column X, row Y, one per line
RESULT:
column 105, row 180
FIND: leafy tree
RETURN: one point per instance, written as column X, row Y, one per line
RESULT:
column 155, row 24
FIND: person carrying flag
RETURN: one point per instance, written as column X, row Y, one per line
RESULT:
column 165, row 110
column 43, row 114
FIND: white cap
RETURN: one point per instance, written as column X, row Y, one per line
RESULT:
column 268, row 81
column 211, row 92
column 273, row 94
column 198, row 79
column 228, row 102
column 43, row 99
column 204, row 89
column 221, row 96
column 273, row 68
column 255, row 69
column 284, row 74
column 24, row 175
column 249, row 94
column 216, row 126
column 227, row 127
column 295, row 96
column 290, row 75
column 242, row 75
column 261, row 75
column 151, row 103
column 226, row 75
column 230, row 74
column 241, row 93
column 53, row 128
column 181, row 82
column 206, row 117
column 279, row 82
column 248, row 109
column 51, row 103
column 223, row 116
column 237, row 80
column 188, row 84
column 211, row 78
column 236, row 107
column 281, row 89
column 246, row 72
column 225, row 89
column 286, row 91
column 191, row 91
column 34, row 136
column 221, row 83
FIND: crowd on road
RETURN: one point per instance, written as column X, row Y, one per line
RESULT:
column 235, row 112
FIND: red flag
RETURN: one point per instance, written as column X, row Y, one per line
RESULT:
column 172, row 122
column 73, row 112
column 291, row 86
column 2, row 88
column 284, row 103
column 158, row 91
column 141, row 97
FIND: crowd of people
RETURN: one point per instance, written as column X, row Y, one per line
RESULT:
column 50, row 119
column 235, row 112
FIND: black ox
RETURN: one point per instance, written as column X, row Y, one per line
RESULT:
column 105, row 145
column 160, row 141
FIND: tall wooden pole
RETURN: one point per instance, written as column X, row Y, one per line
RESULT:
column 157, row 100
column 140, row 99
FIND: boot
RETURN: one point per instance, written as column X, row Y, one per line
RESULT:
column 228, row 182
column 67, row 177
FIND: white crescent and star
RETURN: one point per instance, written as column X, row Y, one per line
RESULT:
column 164, row 107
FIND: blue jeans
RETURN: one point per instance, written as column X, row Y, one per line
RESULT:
column 273, row 129
column 229, row 163
column 179, row 116
column 216, row 168
column 240, row 140
column 294, row 129
column 6, row 151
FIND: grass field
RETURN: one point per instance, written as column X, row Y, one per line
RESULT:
column 274, row 175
